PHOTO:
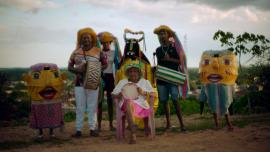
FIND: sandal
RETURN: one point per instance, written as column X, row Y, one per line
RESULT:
column 38, row 138
column 93, row 133
column 77, row 134
column 183, row 130
column 133, row 139
column 147, row 131
column 52, row 136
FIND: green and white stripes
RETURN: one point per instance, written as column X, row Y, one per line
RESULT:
column 170, row 75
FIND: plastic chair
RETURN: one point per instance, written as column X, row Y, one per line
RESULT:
column 120, row 119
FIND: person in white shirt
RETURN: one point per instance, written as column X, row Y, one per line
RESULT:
column 132, row 93
column 110, row 48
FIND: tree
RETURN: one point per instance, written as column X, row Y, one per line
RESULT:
column 257, row 74
column 247, row 43
column 11, row 108
column 5, row 105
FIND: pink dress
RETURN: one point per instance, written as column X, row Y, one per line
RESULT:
column 140, row 105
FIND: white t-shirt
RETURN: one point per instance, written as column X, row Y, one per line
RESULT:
column 143, row 84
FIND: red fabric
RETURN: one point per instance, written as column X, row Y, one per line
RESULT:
column 183, row 67
column 46, row 116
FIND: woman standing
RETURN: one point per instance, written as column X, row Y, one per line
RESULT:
column 86, row 99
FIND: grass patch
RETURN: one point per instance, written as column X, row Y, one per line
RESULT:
column 246, row 121
column 15, row 122
column 7, row 145
column 206, row 122
column 202, row 125
column 18, row 144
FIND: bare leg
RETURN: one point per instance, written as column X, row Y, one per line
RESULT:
column 131, row 123
column 40, row 132
column 201, row 107
column 229, row 124
column 99, row 115
column 167, row 114
column 110, row 110
column 51, row 131
column 217, row 125
column 146, row 126
column 179, row 114
column 40, row 135
column 123, row 125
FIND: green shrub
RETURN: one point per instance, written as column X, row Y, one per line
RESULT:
column 188, row 107
column 69, row 116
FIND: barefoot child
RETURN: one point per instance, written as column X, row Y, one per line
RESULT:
column 132, row 92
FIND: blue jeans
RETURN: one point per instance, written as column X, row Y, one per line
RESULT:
column 165, row 90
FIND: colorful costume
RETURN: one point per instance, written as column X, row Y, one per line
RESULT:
column 132, row 53
column 86, row 99
column 218, row 73
column 45, row 86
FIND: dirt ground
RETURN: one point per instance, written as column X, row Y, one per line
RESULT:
column 253, row 137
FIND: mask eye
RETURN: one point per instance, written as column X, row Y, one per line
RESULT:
column 206, row 62
column 227, row 62
column 35, row 75
column 56, row 74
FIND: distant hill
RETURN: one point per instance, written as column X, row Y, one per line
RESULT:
column 15, row 74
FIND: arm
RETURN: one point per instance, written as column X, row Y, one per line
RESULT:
column 202, row 99
column 71, row 67
column 118, row 88
column 103, row 60
column 144, row 87
column 119, row 55
column 169, row 59
column 118, row 96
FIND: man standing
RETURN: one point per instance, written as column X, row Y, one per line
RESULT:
column 168, row 57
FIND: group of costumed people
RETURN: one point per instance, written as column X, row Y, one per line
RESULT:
column 134, row 93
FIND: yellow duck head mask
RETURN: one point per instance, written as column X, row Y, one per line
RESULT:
column 44, row 81
column 218, row 67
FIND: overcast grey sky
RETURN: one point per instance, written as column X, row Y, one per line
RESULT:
column 33, row 31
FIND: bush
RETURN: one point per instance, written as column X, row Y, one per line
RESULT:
column 69, row 116
column 188, row 107
column 240, row 106
column 253, row 102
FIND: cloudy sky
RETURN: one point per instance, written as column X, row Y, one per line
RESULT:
column 33, row 31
